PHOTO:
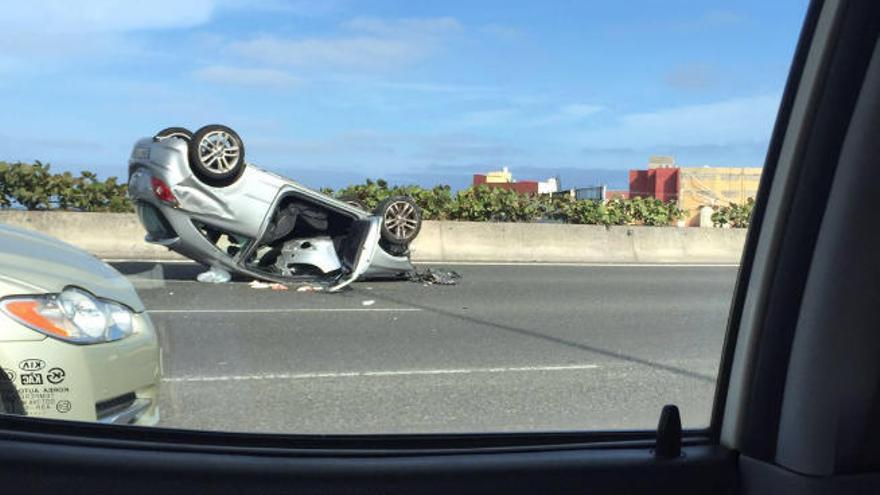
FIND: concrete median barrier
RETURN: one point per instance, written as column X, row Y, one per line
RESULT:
column 540, row 242
column 106, row 235
column 120, row 236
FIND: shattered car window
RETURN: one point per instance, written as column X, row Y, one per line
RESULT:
column 394, row 217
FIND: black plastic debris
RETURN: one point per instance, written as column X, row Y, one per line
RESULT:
column 434, row 276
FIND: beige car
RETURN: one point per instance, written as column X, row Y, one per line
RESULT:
column 75, row 342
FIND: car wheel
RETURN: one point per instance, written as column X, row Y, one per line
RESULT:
column 178, row 132
column 216, row 155
column 401, row 219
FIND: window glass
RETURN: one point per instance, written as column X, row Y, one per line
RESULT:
column 383, row 217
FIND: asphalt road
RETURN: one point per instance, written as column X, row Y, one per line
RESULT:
column 511, row 348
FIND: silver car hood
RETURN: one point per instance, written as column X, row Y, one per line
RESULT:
column 40, row 263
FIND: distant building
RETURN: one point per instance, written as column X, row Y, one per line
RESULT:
column 594, row 193
column 502, row 176
column 548, row 186
column 661, row 183
column 715, row 186
column 503, row 179
column 661, row 161
column 694, row 187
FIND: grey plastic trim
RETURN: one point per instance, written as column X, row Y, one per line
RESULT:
column 835, row 359
column 770, row 237
column 129, row 414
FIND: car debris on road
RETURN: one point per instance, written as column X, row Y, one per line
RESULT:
column 214, row 275
column 434, row 276
column 310, row 288
column 257, row 284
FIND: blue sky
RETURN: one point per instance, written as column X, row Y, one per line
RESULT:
column 330, row 92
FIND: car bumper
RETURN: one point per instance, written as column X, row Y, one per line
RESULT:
column 113, row 382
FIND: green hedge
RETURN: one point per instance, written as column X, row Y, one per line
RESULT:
column 35, row 187
column 734, row 215
column 483, row 203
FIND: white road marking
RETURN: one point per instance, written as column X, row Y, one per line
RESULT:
column 149, row 260
column 496, row 263
column 357, row 374
column 581, row 264
column 289, row 310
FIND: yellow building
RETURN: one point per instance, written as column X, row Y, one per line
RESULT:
column 499, row 176
column 711, row 186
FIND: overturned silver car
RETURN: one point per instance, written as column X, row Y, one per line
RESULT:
column 195, row 194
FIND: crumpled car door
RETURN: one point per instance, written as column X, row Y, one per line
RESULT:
column 358, row 253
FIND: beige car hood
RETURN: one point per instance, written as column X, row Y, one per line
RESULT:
column 40, row 263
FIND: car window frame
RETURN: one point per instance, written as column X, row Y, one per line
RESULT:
column 18, row 428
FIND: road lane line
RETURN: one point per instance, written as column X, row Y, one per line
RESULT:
column 288, row 310
column 491, row 263
column 357, row 374
column 579, row 264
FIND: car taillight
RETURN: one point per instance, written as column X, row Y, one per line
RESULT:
column 162, row 191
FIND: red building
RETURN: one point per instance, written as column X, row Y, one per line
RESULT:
column 522, row 187
column 660, row 183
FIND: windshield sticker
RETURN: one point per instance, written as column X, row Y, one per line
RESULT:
column 31, row 379
column 37, row 400
column 32, row 365
column 55, row 376
column 63, row 406
column 41, row 392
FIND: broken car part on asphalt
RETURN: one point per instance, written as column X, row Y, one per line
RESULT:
column 435, row 276
column 214, row 276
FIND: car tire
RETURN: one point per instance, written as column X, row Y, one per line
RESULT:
column 401, row 219
column 216, row 155
column 178, row 132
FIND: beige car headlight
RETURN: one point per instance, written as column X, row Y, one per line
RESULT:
column 74, row 315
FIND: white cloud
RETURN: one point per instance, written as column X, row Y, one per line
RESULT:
column 738, row 120
column 351, row 142
column 48, row 36
column 354, row 53
column 301, row 8
column 373, row 44
column 579, row 110
column 566, row 115
column 458, row 147
column 432, row 26
column 690, row 76
column 469, row 90
column 89, row 16
column 238, row 76
column 50, row 143
column 711, row 19
column 503, row 32
column 58, row 17
column 487, row 118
